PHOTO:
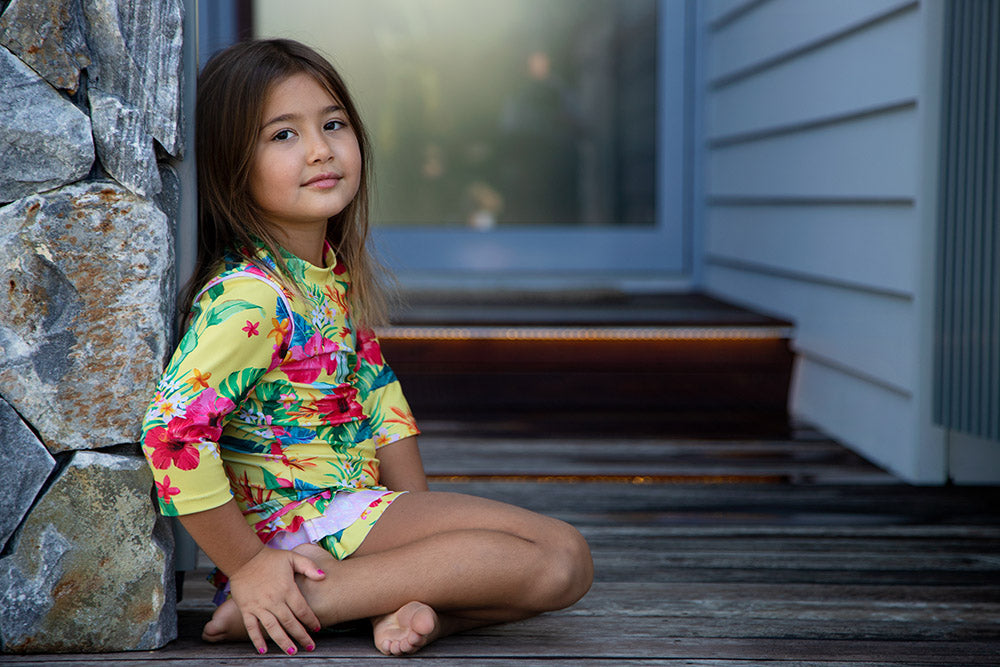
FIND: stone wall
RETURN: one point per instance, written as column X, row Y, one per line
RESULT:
column 89, row 127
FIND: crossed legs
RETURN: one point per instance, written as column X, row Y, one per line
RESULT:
column 438, row 563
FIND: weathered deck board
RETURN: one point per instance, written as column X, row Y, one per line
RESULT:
column 833, row 564
column 813, row 461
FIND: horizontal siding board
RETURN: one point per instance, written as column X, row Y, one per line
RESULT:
column 871, row 245
column 873, row 157
column 875, row 335
column 878, row 423
column 869, row 70
column 717, row 11
column 782, row 26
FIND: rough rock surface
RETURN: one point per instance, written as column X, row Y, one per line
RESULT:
column 134, row 84
column 48, row 36
column 87, row 276
column 45, row 141
column 92, row 566
column 30, row 466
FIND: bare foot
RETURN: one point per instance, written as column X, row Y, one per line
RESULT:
column 411, row 627
column 226, row 624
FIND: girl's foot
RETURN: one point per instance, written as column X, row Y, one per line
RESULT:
column 411, row 627
column 226, row 624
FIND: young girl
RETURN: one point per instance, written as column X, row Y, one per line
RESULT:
column 278, row 434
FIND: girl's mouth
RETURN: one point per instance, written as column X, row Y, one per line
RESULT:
column 323, row 180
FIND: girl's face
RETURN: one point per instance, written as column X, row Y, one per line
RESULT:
column 306, row 166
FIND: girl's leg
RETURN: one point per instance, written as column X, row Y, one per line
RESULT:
column 503, row 563
column 465, row 561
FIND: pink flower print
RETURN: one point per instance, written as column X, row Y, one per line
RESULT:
column 207, row 412
column 339, row 407
column 164, row 490
column 310, row 359
column 175, row 444
column 368, row 348
column 166, row 449
column 288, row 400
column 251, row 328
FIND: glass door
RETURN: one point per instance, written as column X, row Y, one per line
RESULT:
column 516, row 141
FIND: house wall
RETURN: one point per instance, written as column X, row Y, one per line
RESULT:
column 819, row 153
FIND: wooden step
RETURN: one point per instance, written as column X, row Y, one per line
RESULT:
column 580, row 363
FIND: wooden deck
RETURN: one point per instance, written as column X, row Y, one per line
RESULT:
column 727, row 552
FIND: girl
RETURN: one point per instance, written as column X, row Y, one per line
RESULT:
column 278, row 434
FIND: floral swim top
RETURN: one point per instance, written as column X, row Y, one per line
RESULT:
column 272, row 397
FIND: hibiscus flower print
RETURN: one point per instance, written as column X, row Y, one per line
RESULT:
column 177, row 443
column 340, row 407
column 167, row 449
column 308, row 360
column 208, row 410
column 368, row 348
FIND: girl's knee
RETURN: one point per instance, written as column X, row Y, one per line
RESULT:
column 569, row 569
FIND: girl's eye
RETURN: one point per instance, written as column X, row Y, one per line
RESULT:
column 282, row 135
column 334, row 125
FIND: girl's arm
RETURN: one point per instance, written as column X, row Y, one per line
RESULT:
column 400, row 466
column 262, row 579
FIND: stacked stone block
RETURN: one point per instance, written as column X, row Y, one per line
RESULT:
column 89, row 124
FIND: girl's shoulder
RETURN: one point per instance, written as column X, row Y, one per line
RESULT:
column 239, row 266
column 242, row 281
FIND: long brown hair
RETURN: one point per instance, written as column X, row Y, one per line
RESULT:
column 232, row 90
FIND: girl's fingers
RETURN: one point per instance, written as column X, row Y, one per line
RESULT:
column 253, row 630
column 276, row 630
column 290, row 622
column 306, row 566
column 285, row 630
column 304, row 613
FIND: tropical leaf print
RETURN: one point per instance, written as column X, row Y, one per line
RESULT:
column 277, row 388
column 238, row 383
column 221, row 313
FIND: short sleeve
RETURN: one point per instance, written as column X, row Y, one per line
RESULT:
column 224, row 352
column 387, row 409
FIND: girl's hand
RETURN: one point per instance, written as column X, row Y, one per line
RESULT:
column 268, row 598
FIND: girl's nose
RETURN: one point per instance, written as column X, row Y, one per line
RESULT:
column 319, row 149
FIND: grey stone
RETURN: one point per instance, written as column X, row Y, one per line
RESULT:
column 91, row 569
column 45, row 141
column 87, row 275
column 19, row 484
column 123, row 144
column 48, row 36
column 134, row 85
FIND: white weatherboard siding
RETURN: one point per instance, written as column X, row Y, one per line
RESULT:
column 819, row 153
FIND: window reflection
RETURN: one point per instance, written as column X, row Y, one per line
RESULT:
column 496, row 112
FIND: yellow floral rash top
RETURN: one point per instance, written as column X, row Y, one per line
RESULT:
column 272, row 397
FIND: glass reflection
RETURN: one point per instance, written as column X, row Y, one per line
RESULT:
column 487, row 112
